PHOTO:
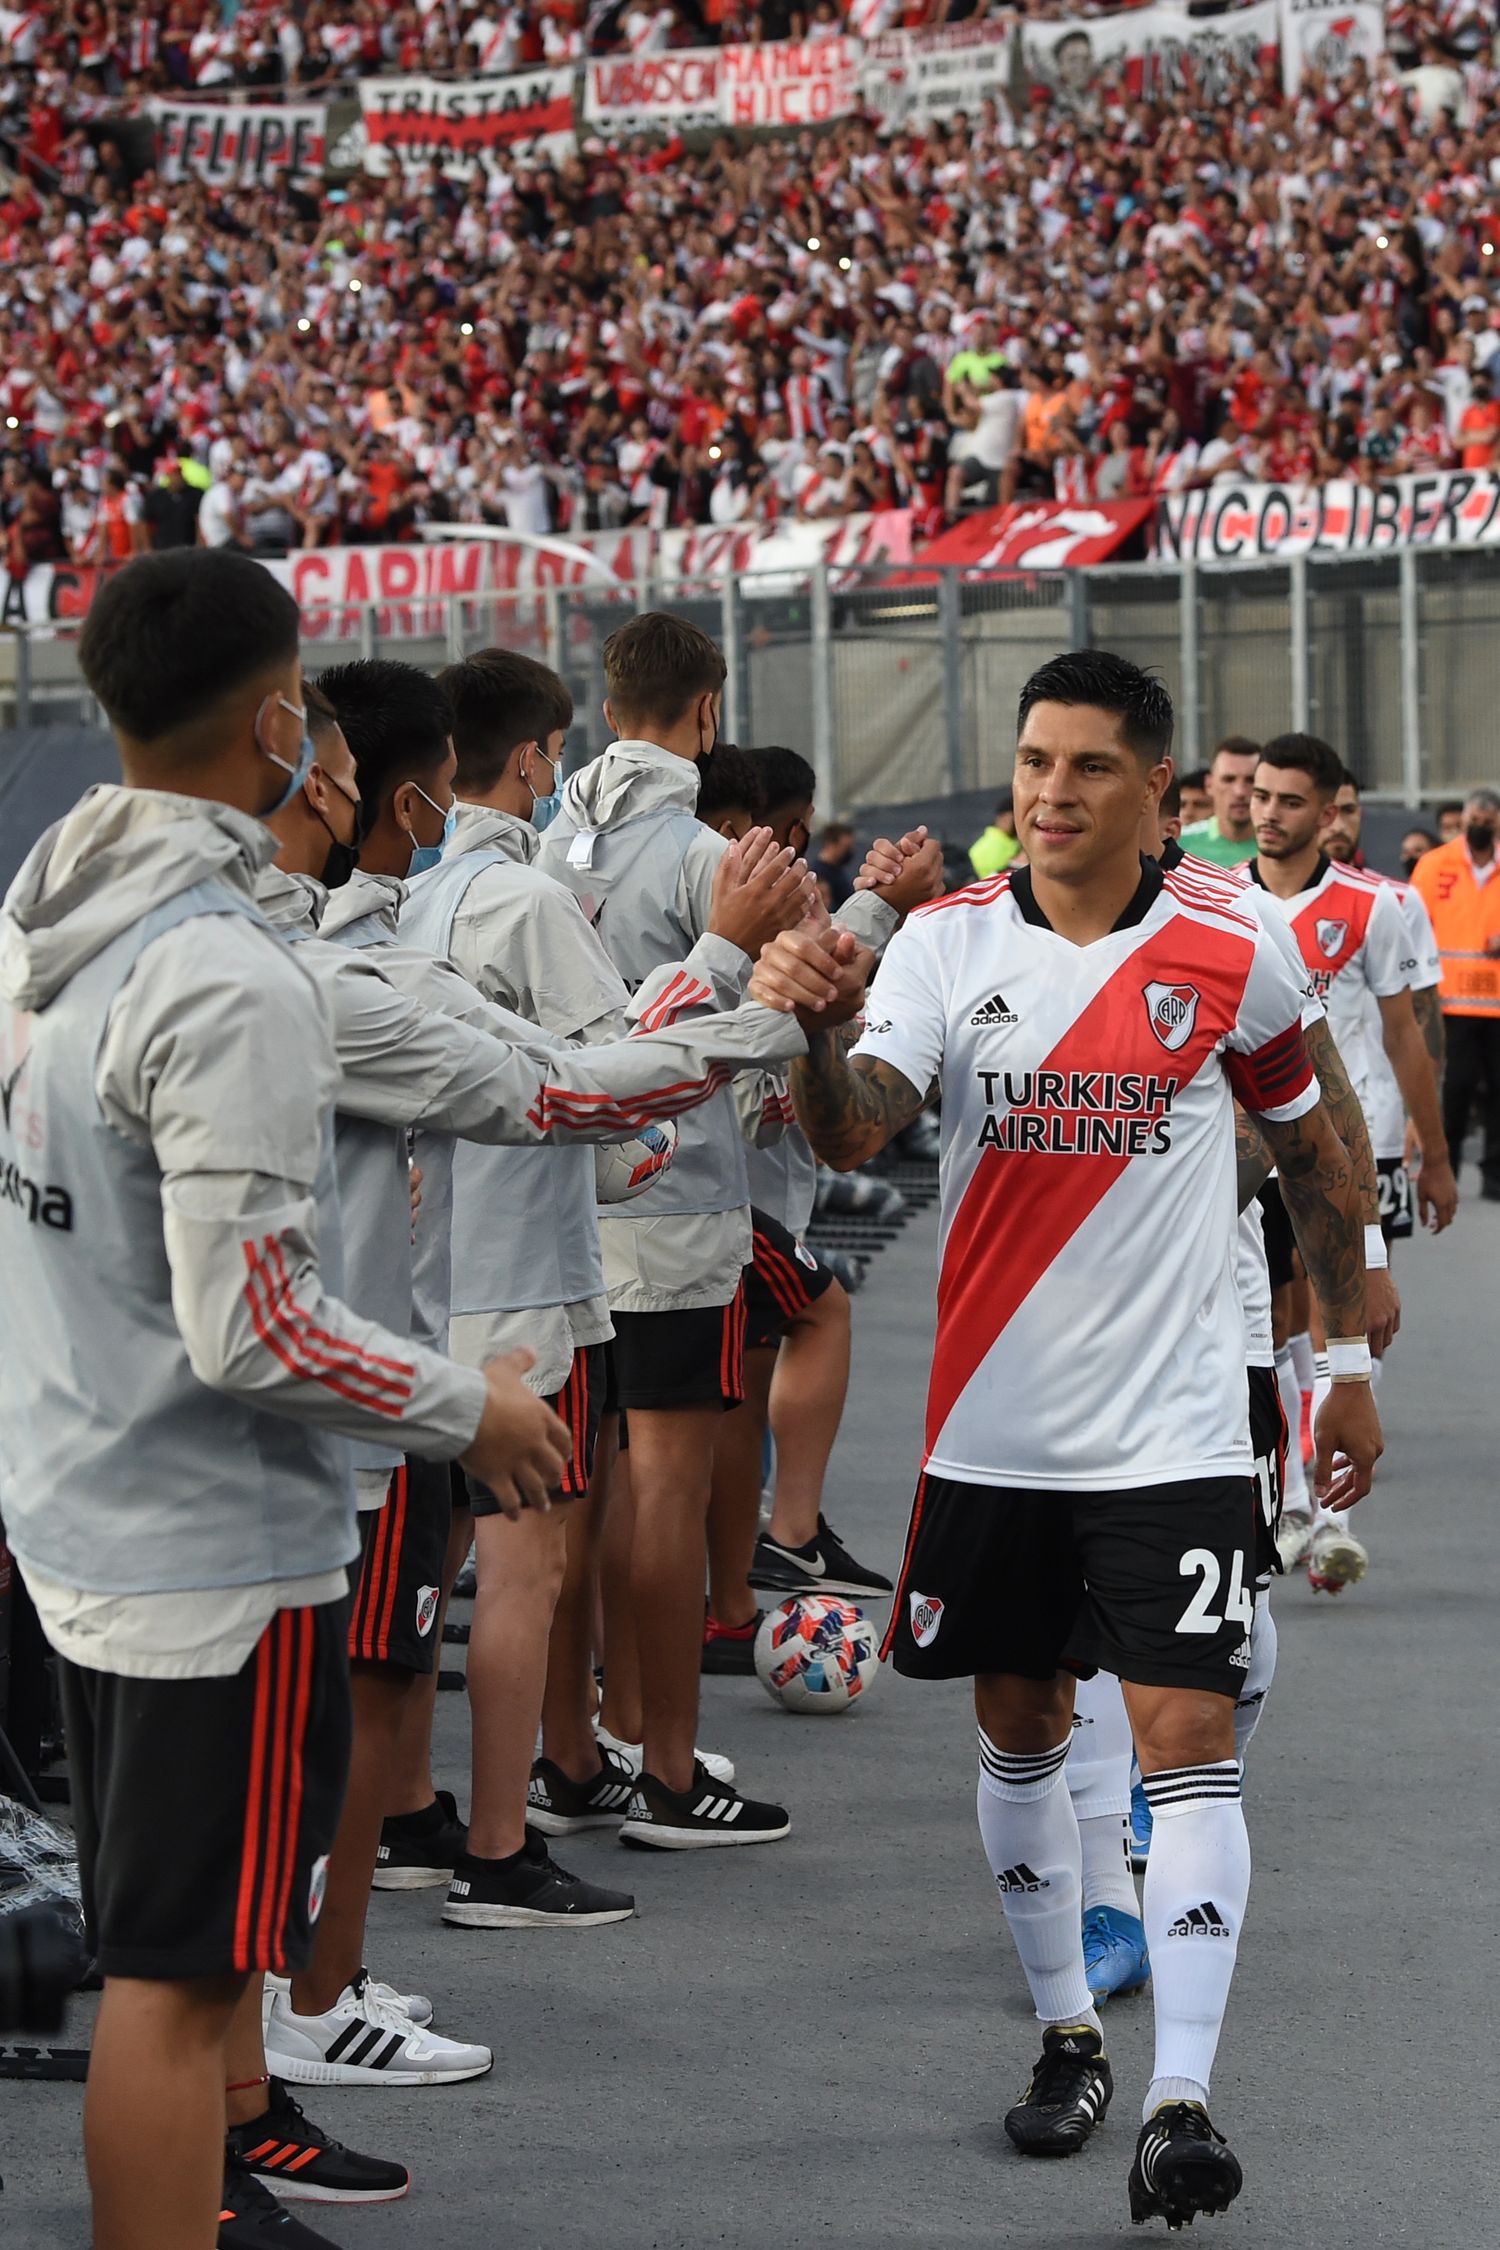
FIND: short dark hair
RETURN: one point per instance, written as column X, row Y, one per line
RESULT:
column 1349, row 779
column 497, row 699
column 172, row 635
column 396, row 722
column 1234, row 746
column 1309, row 754
column 730, row 782
column 834, row 832
column 786, row 777
column 1136, row 700
column 321, row 715
column 1449, row 805
column 1169, row 804
column 1197, row 779
column 657, row 666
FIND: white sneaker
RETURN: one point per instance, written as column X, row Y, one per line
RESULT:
column 416, row 2005
column 1336, row 1559
column 721, row 1769
column 1293, row 1536
column 364, row 2041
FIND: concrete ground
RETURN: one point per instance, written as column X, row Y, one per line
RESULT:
column 813, row 2042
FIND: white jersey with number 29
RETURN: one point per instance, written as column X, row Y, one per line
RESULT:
column 1089, row 1335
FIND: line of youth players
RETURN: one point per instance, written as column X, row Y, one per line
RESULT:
column 227, row 1377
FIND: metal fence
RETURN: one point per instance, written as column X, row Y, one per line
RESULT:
column 902, row 684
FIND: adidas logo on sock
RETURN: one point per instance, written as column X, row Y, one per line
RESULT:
column 994, row 1011
column 1020, row 1878
column 1200, row 1921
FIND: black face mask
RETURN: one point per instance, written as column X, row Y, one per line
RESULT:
column 342, row 858
column 1479, row 834
column 705, row 758
column 1407, row 865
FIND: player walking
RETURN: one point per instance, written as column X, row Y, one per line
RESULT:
column 1086, row 1498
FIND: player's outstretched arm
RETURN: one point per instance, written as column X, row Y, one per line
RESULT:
column 1322, row 1199
column 1411, row 1060
column 1382, row 1304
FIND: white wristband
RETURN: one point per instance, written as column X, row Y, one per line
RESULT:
column 1349, row 1359
column 1377, row 1256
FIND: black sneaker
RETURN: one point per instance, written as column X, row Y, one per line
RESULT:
column 1069, row 2092
column 823, row 1566
column 418, row 1851
column 559, row 1806
column 729, row 1650
column 694, row 1820
column 528, row 1891
column 1182, row 2167
column 298, row 2161
column 250, row 2218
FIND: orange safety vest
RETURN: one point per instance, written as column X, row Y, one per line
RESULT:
column 1465, row 917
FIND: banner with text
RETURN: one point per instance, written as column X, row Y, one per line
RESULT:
column 792, row 82
column 1156, row 50
column 652, row 93
column 230, row 146
column 1232, row 522
column 919, row 77
column 1035, row 535
column 1327, row 36
column 415, row 122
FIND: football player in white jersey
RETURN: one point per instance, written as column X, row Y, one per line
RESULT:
column 1086, row 1501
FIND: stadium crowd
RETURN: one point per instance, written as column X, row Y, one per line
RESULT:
column 1102, row 297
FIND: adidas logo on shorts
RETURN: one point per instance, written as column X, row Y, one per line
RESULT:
column 994, row 1011
column 1200, row 1921
column 1241, row 1657
column 1019, row 1878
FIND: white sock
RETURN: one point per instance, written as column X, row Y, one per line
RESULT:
column 1031, row 1840
column 1098, row 1771
column 1250, row 1709
column 1301, row 1350
column 1197, row 1883
column 1377, row 1369
column 1322, row 1385
column 1295, row 1495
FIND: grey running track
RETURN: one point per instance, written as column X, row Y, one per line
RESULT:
column 813, row 2042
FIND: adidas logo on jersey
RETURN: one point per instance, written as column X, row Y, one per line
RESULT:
column 1019, row 1878
column 1200, row 1921
column 994, row 1011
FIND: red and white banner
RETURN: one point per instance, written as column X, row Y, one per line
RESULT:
column 1232, row 522
column 1327, row 36
column 415, row 122
column 645, row 93
column 229, row 145
column 918, row 77
column 1160, row 49
column 792, row 82
column 1035, row 535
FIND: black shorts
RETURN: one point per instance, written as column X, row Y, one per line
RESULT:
column 580, row 1402
column 1281, row 1244
column 781, row 1281
column 678, row 1359
column 1155, row 1583
column 1268, row 1442
column 205, row 1809
column 1394, row 1183
column 399, row 1589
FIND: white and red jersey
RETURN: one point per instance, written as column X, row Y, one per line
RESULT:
column 1354, row 940
column 1087, row 1108
column 1385, row 1108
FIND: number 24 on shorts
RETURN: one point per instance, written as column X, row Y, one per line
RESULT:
column 1239, row 1603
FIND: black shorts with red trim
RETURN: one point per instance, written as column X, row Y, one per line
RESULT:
column 205, row 1809
column 1394, row 1184
column 1154, row 1583
column 1268, row 1442
column 782, row 1279
column 679, row 1359
column 399, row 1588
column 580, row 1402
column 1281, row 1244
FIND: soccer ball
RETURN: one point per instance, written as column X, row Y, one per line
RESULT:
column 816, row 1654
column 625, row 1169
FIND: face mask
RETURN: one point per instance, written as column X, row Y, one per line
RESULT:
column 705, row 758
column 342, row 858
column 1407, row 866
column 1480, row 834
column 544, row 810
column 428, row 855
column 296, row 774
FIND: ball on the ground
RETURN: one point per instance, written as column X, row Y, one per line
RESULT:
column 816, row 1654
column 625, row 1169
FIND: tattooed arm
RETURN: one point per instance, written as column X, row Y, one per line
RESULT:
column 1252, row 1159
column 1428, row 1010
column 1382, row 1303
column 849, row 1106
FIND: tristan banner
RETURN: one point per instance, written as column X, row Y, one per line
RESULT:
column 415, row 122
column 231, row 145
column 1232, row 522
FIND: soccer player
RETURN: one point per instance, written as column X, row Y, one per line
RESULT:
column 1227, row 836
column 1086, row 1499
column 1358, row 950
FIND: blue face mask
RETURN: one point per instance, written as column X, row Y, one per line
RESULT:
column 544, row 810
column 428, row 855
column 307, row 757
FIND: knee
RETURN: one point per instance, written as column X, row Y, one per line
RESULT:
column 1185, row 1730
column 1024, row 1716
